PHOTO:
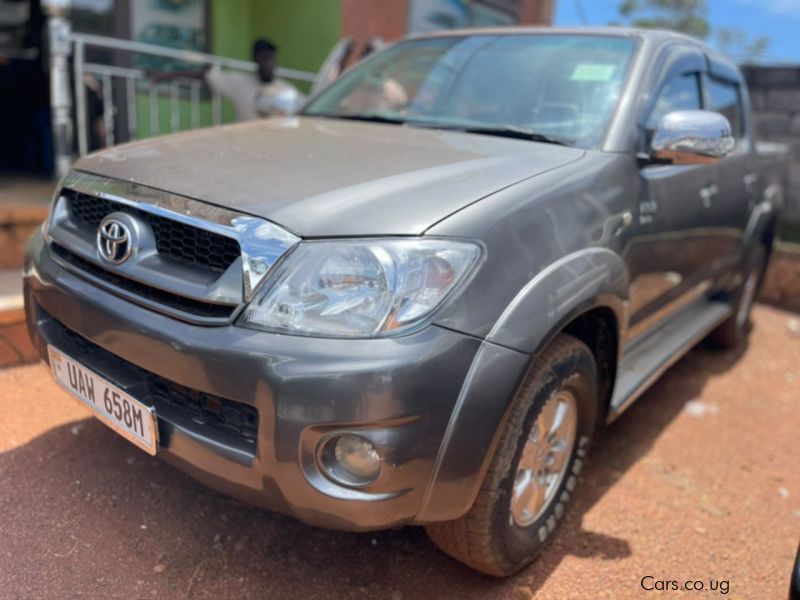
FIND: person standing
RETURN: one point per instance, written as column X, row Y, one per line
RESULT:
column 258, row 94
column 254, row 94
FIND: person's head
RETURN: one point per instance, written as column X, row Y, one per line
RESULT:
column 264, row 55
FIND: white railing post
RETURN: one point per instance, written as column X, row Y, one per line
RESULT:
column 79, row 59
column 58, row 28
column 63, row 94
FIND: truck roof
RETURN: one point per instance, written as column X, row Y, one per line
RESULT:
column 654, row 36
column 521, row 29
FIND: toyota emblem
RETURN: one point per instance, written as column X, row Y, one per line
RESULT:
column 114, row 240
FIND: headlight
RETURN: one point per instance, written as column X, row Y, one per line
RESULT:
column 360, row 288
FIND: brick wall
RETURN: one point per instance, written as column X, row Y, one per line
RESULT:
column 364, row 19
column 775, row 98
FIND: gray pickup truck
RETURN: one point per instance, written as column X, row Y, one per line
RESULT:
column 417, row 301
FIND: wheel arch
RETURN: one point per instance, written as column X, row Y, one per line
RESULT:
column 579, row 282
column 762, row 225
column 599, row 329
column 547, row 306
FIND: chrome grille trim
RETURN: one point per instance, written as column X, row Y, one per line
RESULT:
column 173, row 238
column 157, row 201
column 262, row 243
column 173, row 305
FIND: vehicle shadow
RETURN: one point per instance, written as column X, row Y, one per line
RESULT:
column 624, row 443
column 102, row 518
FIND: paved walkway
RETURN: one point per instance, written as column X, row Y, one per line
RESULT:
column 15, row 346
column 698, row 481
column 23, row 206
column 30, row 192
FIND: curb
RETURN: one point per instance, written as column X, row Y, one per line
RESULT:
column 15, row 344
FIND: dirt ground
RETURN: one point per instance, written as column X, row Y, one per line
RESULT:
column 697, row 481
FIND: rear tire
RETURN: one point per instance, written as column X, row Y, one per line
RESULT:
column 524, row 493
column 734, row 330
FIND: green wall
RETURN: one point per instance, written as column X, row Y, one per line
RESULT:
column 231, row 21
column 304, row 30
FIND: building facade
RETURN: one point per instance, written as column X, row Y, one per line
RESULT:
column 304, row 30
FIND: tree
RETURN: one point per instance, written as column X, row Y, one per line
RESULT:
column 687, row 16
column 691, row 17
column 736, row 43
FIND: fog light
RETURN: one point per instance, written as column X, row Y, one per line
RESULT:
column 355, row 460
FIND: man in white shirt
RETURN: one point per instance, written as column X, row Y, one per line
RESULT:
column 254, row 94
column 258, row 94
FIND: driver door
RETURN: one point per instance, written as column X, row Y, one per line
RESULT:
column 668, row 257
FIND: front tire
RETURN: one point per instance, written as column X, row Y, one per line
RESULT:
column 535, row 467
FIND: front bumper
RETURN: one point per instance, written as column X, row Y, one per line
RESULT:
column 400, row 393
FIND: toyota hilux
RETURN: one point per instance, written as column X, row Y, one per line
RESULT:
column 415, row 302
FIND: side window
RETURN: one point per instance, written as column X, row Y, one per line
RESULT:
column 725, row 98
column 680, row 93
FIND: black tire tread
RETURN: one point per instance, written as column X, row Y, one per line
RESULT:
column 728, row 334
column 469, row 539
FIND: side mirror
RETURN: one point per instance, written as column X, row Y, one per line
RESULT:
column 689, row 137
column 285, row 102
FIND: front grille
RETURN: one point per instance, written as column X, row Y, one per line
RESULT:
column 233, row 418
column 173, row 238
column 167, row 299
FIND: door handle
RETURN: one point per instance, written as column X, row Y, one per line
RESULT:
column 707, row 194
column 615, row 225
column 750, row 180
column 623, row 221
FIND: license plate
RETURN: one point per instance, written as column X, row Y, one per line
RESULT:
column 127, row 416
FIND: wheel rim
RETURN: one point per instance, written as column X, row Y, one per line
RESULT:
column 748, row 296
column 545, row 458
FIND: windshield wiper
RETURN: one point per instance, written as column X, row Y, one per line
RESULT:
column 516, row 133
column 508, row 131
column 369, row 118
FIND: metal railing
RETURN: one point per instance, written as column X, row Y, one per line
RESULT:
column 185, row 96
column 135, row 79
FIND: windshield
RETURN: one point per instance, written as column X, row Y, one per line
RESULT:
column 562, row 88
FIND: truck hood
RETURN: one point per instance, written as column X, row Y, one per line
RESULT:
column 326, row 177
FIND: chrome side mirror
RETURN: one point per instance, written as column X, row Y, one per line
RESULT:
column 285, row 102
column 688, row 137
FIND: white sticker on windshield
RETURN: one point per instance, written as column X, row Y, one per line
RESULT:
column 593, row 72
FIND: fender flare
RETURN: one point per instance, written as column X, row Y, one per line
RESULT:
column 562, row 291
column 763, row 217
